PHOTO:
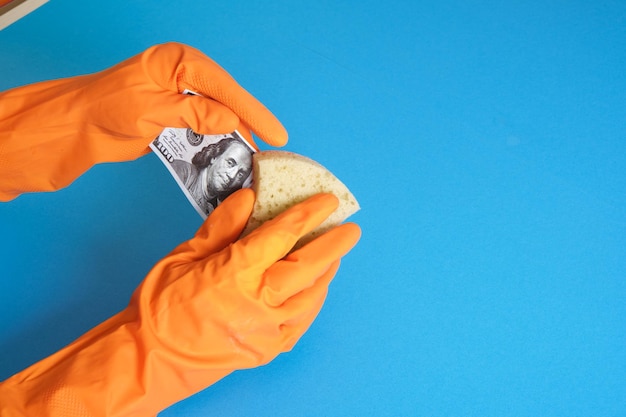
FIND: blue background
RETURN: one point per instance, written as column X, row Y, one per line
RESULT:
column 486, row 142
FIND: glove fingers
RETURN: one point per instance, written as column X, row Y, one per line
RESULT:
column 203, row 115
column 214, row 82
column 195, row 71
column 305, row 307
column 275, row 238
column 221, row 228
column 302, row 268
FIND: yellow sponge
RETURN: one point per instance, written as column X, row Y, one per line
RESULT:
column 283, row 179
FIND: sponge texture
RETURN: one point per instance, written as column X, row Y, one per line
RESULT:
column 283, row 179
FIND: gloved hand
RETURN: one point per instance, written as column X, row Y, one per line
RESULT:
column 210, row 307
column 51, row 132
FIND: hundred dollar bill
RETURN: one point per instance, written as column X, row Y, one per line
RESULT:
column 208, row 168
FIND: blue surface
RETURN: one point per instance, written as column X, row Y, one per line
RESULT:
column 486, row 143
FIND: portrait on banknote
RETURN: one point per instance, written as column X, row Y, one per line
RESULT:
column 208, row 168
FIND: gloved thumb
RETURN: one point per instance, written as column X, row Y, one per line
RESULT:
column 220, row 229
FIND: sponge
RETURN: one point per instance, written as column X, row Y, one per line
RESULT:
column 283, row 179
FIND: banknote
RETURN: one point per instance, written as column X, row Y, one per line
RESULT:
column 207, row 168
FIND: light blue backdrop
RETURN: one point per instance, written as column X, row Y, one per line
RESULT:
column 486, row 142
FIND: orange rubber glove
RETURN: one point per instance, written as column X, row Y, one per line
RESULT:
column 210, row 307
column 52, row 132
